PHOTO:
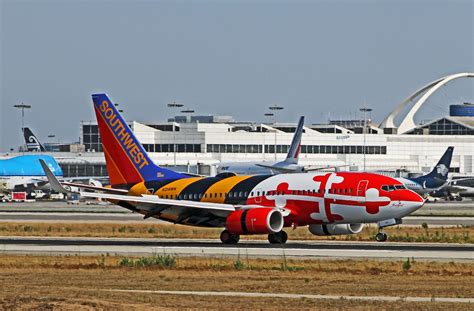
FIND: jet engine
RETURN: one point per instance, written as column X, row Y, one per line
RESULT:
column 255, row 221
column 94, row 182
column 333, row 229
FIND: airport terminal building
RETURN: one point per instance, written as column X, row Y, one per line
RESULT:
column 198, row 144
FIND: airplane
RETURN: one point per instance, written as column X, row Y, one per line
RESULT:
column 23, row 173
column 434, row 180
column 457, row 188
column 32, row 142
column 289, row 165
column 330, row 203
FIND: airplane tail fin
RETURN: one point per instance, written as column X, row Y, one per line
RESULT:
column 32, row 142
column 294, row 151
column 126, row 159
column 441, row 170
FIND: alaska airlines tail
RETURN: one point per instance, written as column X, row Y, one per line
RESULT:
column 439, row 175
column 32, row 142
column 294, row 152
column 127, row 162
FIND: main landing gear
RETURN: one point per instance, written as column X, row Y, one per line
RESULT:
column 278, row 238
column 229, row 238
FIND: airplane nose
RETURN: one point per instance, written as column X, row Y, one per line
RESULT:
column 413, row 201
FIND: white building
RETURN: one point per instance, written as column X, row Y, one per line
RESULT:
column 205, row 141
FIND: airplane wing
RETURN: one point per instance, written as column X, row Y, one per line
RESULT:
column 279, row 169
column 58, row 186
column 320, row 168
column 176, row 211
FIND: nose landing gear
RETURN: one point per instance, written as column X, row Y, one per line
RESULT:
column 381, row 237
column 278, row 238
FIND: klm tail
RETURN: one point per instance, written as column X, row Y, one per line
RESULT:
column 32, row 142
column 294, row 152
column 127, row 162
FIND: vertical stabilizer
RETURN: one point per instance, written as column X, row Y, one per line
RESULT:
column 294, row 152
column 126, row 159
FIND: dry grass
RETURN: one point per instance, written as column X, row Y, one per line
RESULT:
column 75, row 282
column 399, row 233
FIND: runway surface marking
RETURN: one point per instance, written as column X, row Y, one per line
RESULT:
column 187, row 247
column 294, row 296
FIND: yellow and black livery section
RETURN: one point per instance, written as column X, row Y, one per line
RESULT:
column 229, row 190
column 220, row 189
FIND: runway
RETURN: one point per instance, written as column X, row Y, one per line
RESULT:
column 68, row 217
column 210, row 248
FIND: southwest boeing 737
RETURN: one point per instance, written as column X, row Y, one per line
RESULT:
column 328, row 203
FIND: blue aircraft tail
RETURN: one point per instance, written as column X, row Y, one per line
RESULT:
column 439, row 175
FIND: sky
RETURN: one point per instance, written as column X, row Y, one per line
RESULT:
column 321, row 59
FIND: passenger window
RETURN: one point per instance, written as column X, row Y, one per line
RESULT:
column 245, row 194
column 258, row 193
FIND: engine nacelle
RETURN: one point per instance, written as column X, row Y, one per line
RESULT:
column 95, row 183
column 255, row 221
column 333, row 229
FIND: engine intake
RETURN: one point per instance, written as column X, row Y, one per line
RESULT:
column 333, row 229
column 255, row 221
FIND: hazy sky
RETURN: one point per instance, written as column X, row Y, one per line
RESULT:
column 316, row 58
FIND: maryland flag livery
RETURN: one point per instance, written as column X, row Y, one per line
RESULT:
column 328, row 203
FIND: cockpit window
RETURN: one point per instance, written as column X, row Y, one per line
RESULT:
column 392, row 187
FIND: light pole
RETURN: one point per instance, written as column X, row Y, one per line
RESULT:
column 22, row 106
column 275, row 109
column 52, row 136
column 365, row 110
column 190, row 111
column 176, row 106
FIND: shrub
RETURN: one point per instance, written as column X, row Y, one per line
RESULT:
column 161, row 261
column 239, row 265
column 406, row 265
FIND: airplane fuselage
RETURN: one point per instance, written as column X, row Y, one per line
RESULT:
column 310, row 198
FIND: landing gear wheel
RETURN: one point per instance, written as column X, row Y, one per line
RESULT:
column 381, row 237
column 229, row 238
column 278, row 238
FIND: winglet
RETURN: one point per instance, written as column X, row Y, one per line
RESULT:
column 53, row 181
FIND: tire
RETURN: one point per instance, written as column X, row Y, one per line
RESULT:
column 381, row 237
column 278, row 238
column 229, row 238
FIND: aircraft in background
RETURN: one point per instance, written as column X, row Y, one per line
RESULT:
column 23, row 173
column 329, row 203
column 289, row 165
column 433, row 181
column 457, row 188
column 32, row 142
